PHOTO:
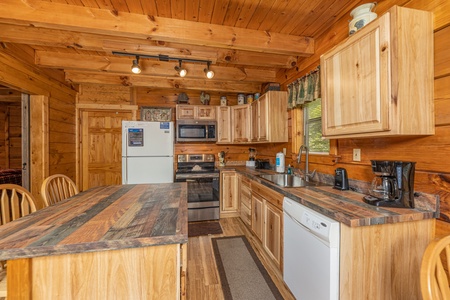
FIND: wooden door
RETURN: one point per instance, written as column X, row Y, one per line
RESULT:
column 257, row 216
column 272, row 232
column 240, row 120
column 356, row 82
column 229, row 203
column 206, row 112
column 223, row 124
column 263, row 122
column 254, row 120
column 101, row 147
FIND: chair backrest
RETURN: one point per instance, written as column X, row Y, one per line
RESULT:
column 56, row 188
column 434, row 272
column 15, row 202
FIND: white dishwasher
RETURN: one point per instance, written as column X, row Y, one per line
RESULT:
column 311, row 253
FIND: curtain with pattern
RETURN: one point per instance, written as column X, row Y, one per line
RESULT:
column 304, row 90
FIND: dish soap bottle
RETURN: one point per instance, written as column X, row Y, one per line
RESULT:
column 279, row 162
column 289, row 169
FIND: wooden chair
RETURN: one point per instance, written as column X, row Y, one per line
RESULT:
column 15, row 202
column 56, row 188
column 434, row 272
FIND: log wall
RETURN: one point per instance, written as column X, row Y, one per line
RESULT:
column 57, row 126
column 429, row 153
column 10, row 135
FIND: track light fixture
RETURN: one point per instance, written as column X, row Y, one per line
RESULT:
column 182, row 72
column 135, row 68
column 209, row 74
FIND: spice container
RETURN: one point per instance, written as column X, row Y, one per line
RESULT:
column 249, row 98
column 223, row 101
column 241, row 99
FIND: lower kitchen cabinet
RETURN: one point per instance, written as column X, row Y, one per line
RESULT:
column 272, row 232
column 245, row 200
column 229, row 204
column 257, row 216
column 267, row 221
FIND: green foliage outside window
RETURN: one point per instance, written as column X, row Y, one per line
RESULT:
column 313, row 126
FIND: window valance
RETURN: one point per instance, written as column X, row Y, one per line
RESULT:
column 304, row 90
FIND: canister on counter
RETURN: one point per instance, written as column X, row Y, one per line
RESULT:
column 241, row 99
column 249, row 98
column 223, row 101
column 256, row 97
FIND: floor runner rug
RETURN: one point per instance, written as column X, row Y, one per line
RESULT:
column 242, row 274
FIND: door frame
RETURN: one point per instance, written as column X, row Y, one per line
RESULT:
column 25, row 103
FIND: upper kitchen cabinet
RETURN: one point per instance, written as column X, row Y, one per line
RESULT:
column 379, row 81
column 223, row 124
column 240, row 123
column 196, row 112
column 269, row 118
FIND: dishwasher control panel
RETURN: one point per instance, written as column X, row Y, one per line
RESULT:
column 315, row 224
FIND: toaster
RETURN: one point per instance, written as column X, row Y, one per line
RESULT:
column 262, row 164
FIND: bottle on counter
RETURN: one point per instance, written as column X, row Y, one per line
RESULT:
column 279, row 166
column 289, row 169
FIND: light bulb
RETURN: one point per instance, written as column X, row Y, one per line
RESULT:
column 209, row 74
column 135, row 67
column 183, row 72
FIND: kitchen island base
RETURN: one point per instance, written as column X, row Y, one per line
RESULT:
column 137, row 273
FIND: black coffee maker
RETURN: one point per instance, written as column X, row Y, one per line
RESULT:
column 393, row 185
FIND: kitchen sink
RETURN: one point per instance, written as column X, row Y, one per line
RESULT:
column 287, row 180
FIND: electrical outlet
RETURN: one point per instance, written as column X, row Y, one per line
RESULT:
column 284, row 151
column 356, row 154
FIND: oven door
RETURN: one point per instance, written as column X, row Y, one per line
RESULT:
column 203, row 198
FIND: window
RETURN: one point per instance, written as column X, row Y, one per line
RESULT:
column 313, row 128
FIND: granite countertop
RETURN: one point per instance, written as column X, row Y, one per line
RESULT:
column 348, row 207
column 102, row 218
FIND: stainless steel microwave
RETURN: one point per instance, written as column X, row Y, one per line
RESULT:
column 196, row 131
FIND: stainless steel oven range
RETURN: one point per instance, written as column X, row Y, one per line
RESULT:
column 202, row 178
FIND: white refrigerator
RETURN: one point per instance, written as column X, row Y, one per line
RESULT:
column 147, row 152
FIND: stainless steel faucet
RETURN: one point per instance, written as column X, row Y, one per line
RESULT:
column 305, row 172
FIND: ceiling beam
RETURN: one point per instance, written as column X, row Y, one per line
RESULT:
column 29, row 35
column 160, row 82
column 101, row 21
column 151, row 67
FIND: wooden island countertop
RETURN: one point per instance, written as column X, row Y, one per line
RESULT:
column 98, row 237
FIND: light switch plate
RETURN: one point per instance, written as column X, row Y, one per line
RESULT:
column 356, row 154
column 284, row 151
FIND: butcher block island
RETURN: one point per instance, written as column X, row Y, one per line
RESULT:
column 110, row 242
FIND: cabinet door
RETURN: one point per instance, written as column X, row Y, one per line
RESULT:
column 206, row 112
column 223, row 124
column 257, row 216
column 240, row 123
column 272, row 232
column 245, row 200
column 263, row 122
column 229, row 201
column 185, row 112
column 254, row 121
column 356, row 82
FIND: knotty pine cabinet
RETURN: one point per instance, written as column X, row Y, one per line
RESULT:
column 223, row 124
column 379, row 81
column 229, row 205
column 269, row 118
column 245, row 200
column 240, row 123
column 196, row 112
column 267, row 221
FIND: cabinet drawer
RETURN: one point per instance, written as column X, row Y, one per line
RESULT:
column 270, row 195
column 246, row 215
column 246, row 201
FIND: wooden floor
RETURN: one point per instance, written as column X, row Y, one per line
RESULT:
column 203, row 280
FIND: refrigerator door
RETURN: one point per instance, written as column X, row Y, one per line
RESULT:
column 147, row 138
column 136, row 170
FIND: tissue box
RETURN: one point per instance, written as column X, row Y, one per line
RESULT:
column 250, row 163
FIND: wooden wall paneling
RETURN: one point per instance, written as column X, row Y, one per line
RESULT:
column 104, row 94
column 442, row 100
column 442, row 55
column 39, row 146
column 3, row 130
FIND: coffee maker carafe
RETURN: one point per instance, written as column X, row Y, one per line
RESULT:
column 393, row 185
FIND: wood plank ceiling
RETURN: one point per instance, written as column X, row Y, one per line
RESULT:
column 247, row 41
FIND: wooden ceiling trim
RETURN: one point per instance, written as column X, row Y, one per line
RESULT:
column 232, row 13
column 158, row 82
column 148, row 7
column 260, row 14
column 277, row 12
column 246, row 13
column 101, row 21
column 148, row 66
column 205, row 11
column 192, row 10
